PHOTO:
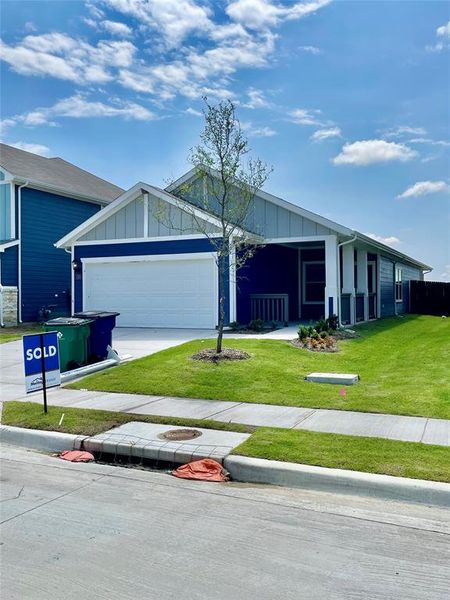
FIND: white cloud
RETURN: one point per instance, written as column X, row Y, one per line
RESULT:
column 423, row 188
column 78, row 107
column 34, row 148
column 368, row 152
column 443, row 36
column 262, row 14
column 446, row 273
column 302, row 116
column 115, row 28
column 404, row 130
column 257, row 131
column 310, row 49
column 173, row 19
column 63, row 57
column 389, row 240
column 192, row 111
column 256, row 99
column 428, row 141
column 326, row 134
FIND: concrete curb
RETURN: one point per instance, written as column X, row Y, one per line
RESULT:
column 36, row 439
column 257, row 470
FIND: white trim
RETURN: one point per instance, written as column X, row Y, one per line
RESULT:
column 146, row 215
column 149, row 257
column 141, row 240
column 378, row 288
column 7, row 245
column 72, row 281
column 312, row 262
column 306, row 238
column 233, row 282
column 128, row 196
column 8, row 176
column 19, row 253
column 156, row 258
column 47, row 187
column 12, row 200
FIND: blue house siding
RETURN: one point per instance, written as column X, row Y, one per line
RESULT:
column 387, row 299
column 8, row 266
column 272, row 270
column 46, row 271
column 142, row 249
column 389, row 306
column 5, row 212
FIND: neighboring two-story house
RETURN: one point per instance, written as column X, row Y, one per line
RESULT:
column 41, row 200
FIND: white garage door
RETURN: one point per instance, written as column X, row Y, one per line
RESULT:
column 154, row 291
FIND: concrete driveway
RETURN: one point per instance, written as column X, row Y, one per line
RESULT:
column 126, row 340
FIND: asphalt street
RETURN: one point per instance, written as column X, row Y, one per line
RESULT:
column 72, row 531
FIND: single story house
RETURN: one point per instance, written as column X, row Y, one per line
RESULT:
column 126, row 259
column 41, row 199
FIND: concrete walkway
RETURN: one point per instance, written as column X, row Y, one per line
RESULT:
column 394, row 427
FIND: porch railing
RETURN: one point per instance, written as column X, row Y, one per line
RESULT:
column 270, row 307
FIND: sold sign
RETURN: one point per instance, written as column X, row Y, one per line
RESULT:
column 41, row 362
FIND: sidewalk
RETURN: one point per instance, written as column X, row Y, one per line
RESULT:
column 394, row 427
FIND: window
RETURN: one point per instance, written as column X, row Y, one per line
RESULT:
column 313, row 282
column 398, row 285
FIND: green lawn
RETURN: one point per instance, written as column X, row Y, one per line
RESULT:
column 404, row 365
column 10, row 334
column 371, row 455
column 84, row 421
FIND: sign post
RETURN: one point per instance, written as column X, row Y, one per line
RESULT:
column 41, row 362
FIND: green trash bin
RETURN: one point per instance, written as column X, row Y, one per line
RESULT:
column 73, row 337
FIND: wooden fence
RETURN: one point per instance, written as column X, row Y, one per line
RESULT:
column 429, row 298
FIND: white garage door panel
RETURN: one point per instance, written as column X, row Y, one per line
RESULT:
column 154, row 293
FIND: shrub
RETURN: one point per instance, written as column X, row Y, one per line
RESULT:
column 333, row 322
column 234, row 325
column 322, row 325
column 256, row 325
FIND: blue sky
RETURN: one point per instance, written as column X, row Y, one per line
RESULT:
column 348, row 101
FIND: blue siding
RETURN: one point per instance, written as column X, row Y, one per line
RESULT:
column 272, row 270
column 142, row 249
column 46, row 271
column 389, row 306
column 387, row 300
column 8, row 260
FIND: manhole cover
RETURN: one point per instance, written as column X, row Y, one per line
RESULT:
column 180, row 435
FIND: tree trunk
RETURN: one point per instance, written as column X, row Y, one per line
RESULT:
column 221, row 306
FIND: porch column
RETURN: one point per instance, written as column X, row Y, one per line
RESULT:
column 362, row 282
column 331, row 280
column 348, row 276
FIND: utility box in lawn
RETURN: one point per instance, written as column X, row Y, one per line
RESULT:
column 73, row 337
column 101, row 326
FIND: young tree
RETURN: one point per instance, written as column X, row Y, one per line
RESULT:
column 230, row 183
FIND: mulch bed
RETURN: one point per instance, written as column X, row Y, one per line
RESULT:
column 328, row 344
column 210, row 355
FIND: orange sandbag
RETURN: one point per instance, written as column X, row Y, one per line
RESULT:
column 76, row 456
column 205, row 470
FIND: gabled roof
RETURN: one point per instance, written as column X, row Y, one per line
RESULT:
column 123, row 200
column 337, row 227
column 56, row 174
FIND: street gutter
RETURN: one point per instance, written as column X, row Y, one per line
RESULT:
column 257, row 470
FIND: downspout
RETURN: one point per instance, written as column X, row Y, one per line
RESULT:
column 19, row 250
column 350, row 241
column 72, row 286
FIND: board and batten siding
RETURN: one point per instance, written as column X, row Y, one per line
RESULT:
column 46, row 270
column 264, row 218
column 128, row 222
column 408, row 274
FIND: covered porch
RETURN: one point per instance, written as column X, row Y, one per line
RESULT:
column 306, row 279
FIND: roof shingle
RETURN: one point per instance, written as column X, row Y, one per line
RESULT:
column 57, row 173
